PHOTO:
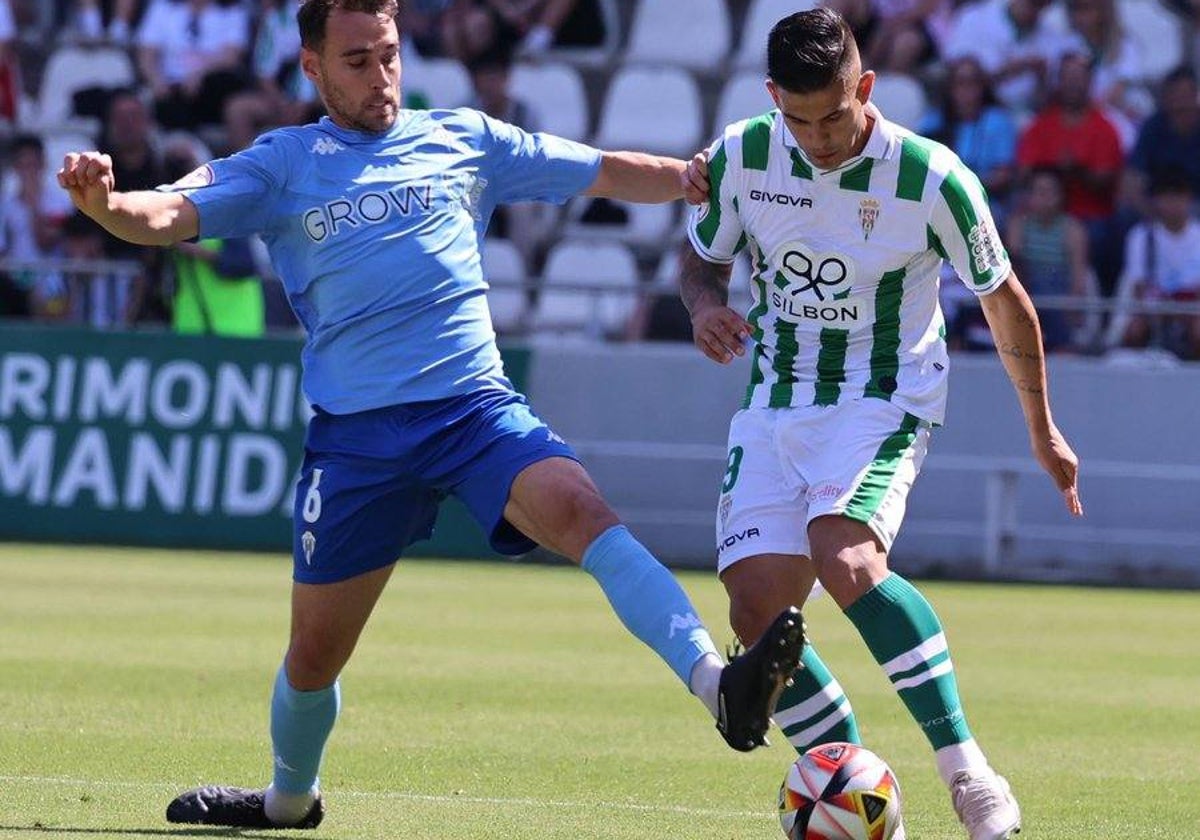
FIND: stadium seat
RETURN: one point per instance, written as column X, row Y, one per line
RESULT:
column 71, row 69
column 588, row 288
column 555, row 92
column 638, row 225
column 652, row 109
column 508, row 295
column 901, row 99
column 760, row 17
column 444, row 82
column 698, row 39
column 744, row 95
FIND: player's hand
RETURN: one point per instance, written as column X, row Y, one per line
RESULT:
column 720, row 333
column 88, row 177
column 695, row 179
column 1057, row 458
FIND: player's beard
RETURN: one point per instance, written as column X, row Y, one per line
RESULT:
column 373, row 115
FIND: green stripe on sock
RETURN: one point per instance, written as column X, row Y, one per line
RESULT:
column 894, row 618
column 809, row 681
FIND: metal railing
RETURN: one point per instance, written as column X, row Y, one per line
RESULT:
column 1000, row 528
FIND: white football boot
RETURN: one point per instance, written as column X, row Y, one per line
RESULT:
column 985, row 805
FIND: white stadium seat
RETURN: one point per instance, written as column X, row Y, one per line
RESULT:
column 72, row 69
column 744, row 95
column 639, row 225
column 656, row 109
column 901, row 99
column 761, row 16
column 505, row 272
column 698, row 39
column 587, row 288
column 555, row 93
column 443, row 81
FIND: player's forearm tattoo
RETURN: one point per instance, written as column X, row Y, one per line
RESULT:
column 702, row 282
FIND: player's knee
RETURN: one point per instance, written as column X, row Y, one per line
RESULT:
column 751, row 616
column 313, row 664
column 850, row 573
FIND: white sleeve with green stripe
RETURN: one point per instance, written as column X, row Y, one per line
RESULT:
column 964, row 227
column 714, row 228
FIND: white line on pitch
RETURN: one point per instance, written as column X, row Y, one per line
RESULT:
column 418, row 797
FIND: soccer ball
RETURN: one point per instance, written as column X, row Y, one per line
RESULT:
column 839, row 791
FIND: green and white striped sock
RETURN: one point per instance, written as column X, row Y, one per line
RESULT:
column 906, row 639
column 814, row 709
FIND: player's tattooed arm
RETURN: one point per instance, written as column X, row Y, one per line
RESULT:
column 1014, row 325
column 717, row 330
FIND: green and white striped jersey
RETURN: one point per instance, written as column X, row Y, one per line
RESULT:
column 846, row 262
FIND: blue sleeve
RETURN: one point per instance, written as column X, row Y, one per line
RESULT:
column 235, row 196
column 235, row 259
column 535, row 167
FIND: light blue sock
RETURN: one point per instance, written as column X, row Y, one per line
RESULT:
column 648, row 599
column 300, row 724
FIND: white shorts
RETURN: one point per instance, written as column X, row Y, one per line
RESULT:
column 787, row 466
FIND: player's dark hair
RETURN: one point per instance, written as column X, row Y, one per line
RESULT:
column 1169, row 180
column 807, row 51
column 313, row 15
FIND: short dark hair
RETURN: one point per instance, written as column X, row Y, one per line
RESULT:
column 1169, row 180
column 808, row 50
column 1182, row 73
column 313, row 15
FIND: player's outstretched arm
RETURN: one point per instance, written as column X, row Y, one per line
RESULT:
column 1014, row 324
column 717, row 330
column 638, row 177
column 144, row 217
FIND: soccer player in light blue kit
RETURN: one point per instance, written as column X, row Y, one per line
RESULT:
column 373, row 217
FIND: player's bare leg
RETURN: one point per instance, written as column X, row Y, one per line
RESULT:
column 556, row 503
column 327, row 620
column 906, row 638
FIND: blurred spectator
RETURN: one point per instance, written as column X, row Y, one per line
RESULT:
column 898, row 36
column 1075, row 136
column 276, row 65
column 129, row 135
column 1015, row 42
column 1116, row 63
column 1170, row 139
column 98, row 299
column 472, row 27
column 1162, row 263
column 1049, row 250
column 217, row 289
column 491, row 74
column 192, row 53
column 33, row 208
column 982, row 133
column 10, row 83
column 423, row 21
column 113, row 20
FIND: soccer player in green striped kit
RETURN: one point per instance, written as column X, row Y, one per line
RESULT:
column 847, row 219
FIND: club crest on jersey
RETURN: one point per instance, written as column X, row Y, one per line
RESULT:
column 811, row 286
column 868, row 215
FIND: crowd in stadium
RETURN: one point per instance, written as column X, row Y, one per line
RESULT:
column 1081, row 117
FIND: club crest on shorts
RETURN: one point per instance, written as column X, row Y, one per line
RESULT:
column 868, row 214
column 308, row 542
column 724, row 507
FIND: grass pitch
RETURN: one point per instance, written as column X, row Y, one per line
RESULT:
column 505, row 701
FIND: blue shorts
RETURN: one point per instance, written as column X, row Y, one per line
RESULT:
column 372, row 481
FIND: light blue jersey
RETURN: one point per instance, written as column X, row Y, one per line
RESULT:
column 376, row 239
